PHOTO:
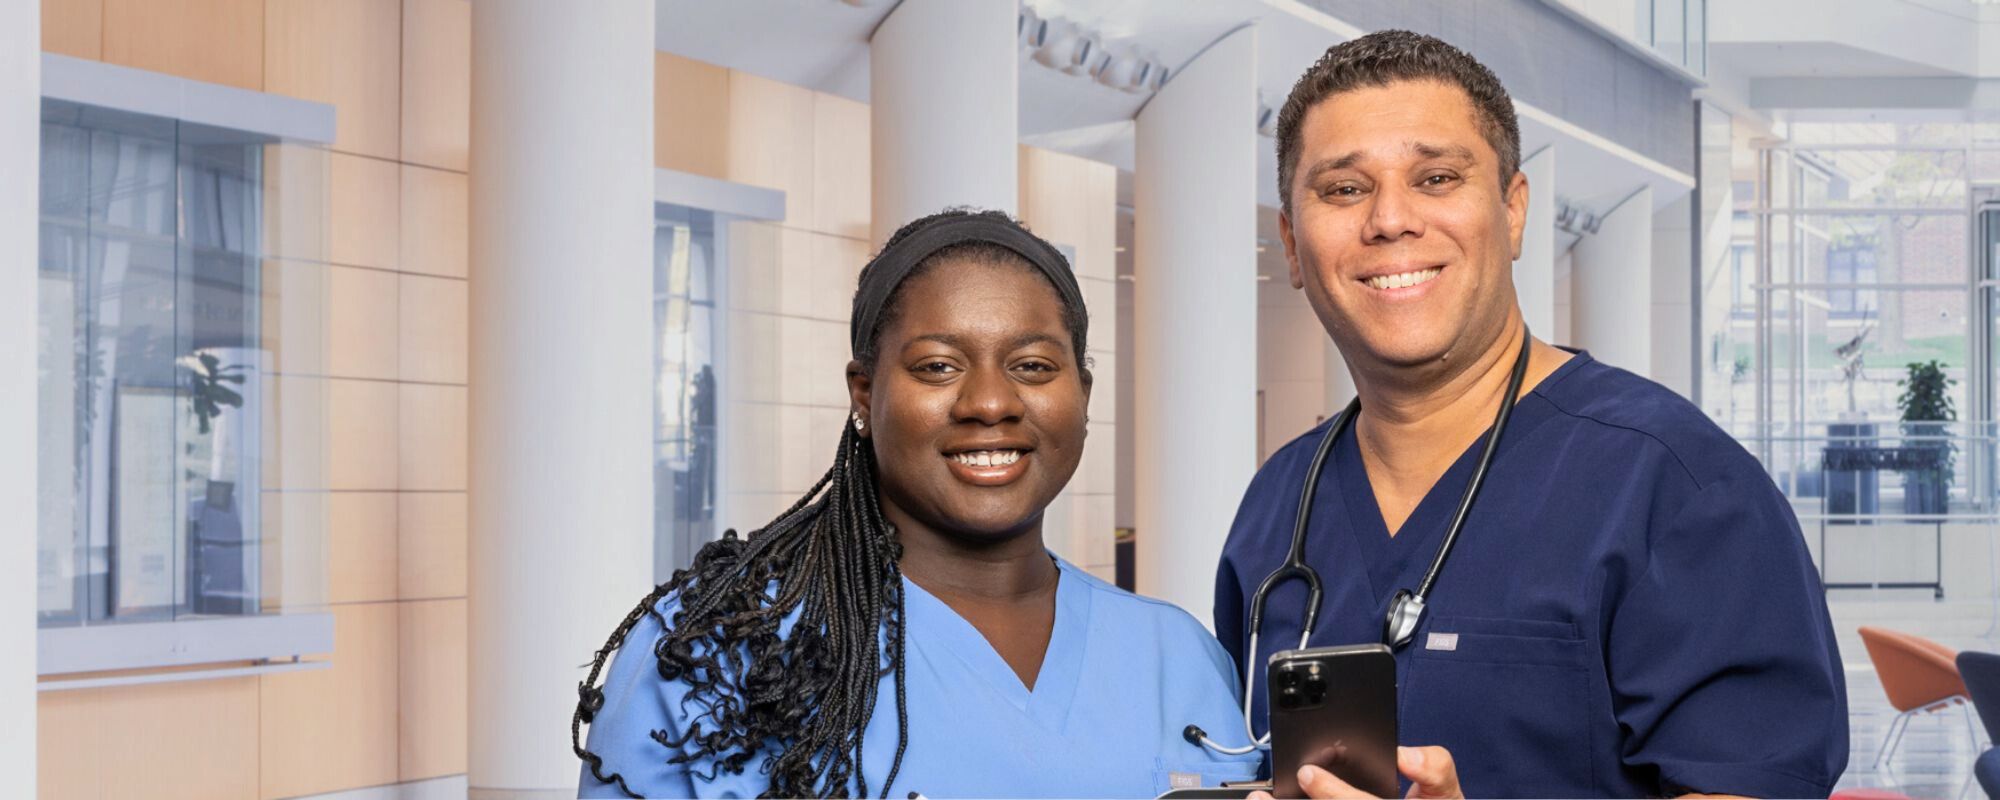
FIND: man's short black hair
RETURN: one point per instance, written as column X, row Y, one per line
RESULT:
column 1385, row 57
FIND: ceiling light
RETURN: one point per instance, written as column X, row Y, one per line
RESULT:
column 1061, row 46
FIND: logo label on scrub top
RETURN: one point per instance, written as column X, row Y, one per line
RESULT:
column 1183, row 780
column 1441, row 641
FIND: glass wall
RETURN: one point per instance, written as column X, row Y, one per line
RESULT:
column 160, row 418
column 1852, row 351
column 686, row 403
column 1676, row 29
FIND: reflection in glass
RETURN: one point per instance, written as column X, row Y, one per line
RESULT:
column 685, row 399
column 151, row 367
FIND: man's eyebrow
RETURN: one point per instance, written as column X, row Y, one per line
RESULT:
column 1329, row 165
column 1452, row 151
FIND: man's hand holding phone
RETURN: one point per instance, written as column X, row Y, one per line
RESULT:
column 1429, row 769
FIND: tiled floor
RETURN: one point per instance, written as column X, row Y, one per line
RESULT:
column 1935, row 757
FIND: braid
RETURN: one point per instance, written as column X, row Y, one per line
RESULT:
column 833, row 558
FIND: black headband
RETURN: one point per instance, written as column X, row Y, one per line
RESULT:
column 895, row 262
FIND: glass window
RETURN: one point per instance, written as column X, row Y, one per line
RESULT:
column 686, row 400
column 159, row 303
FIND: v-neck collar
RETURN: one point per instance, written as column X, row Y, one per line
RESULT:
column 935, row 626
column 1398, row 562
column 1390, row 558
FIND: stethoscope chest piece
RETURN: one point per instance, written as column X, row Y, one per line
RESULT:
column 1405, row 612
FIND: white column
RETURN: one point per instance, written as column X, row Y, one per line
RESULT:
column 1672, row 271
column 561, row 368
column 944, row 98
column 1194, row 329
column 1611, row 307
column 1338, row 381
column 20, row 210
column 1535, row 270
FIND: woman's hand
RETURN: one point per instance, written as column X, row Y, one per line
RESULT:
column 1430, row 770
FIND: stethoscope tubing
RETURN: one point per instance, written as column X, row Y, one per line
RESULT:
column 1295, row 565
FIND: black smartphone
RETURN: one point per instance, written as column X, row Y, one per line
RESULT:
column 1334, row 707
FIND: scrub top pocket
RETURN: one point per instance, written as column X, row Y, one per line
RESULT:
column 1531, row 676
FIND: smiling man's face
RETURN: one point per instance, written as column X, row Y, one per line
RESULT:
column 1401, row 230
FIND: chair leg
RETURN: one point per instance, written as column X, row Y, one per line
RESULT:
column 1971, row 726
column 1893, row 737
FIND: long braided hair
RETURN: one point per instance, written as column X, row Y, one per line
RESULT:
column 832, row 557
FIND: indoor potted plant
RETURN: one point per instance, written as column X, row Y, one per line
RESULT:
column 1927, row 409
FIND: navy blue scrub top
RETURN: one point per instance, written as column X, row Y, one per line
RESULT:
column 1630, row 610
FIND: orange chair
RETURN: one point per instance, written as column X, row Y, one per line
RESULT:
column 1919, row 676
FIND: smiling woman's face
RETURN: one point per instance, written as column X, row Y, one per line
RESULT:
column 975, row 403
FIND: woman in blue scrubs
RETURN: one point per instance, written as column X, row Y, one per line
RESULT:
column 902, row 628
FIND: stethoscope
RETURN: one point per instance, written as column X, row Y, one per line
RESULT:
column 1408, row 608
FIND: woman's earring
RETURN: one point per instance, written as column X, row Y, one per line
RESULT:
column 860, row 424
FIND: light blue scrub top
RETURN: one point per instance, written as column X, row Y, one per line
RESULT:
column 1122, row 677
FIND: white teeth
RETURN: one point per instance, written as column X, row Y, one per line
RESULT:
column 1403, row 279
column 988, row 458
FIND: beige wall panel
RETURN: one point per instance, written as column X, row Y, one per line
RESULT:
column 432, row 678
column 1052, row 196
column 347, row 53
column 433, row 329
column 219, row 41
column 796, row 250
column 362, row 547
column 430, row 545
column 754, row 348
column 296, row 197
column 295, row 559
column 690, row 116
column 756, row 249
column 363, row 218
column 837, row 264
column 1100, row 245
column 437, row 82
column 73, row 27
column 841, row 173
column 361, row 323
column 362, row 435
column 296, row 296
column 771, row 141
column 434, row 209
column 195, row 740
column 298, row 433
column 335, row 728
column 433, row 444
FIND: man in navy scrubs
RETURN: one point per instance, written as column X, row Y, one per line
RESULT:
column 1630, row 609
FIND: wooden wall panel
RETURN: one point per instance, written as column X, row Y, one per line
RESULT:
column 690, row 116
column 437, row 82
column 433, row 329
column 361, row 547
column 770, row 141
column 434, row 227
column 362, row 435
column 73, row 27
column 347, row 53
column 364, row 211
column 219, row 41
column 335, row 728
column 195, row 740
column 842, row 176
column 432, row 688
column 361, row 323
column 430, row 544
